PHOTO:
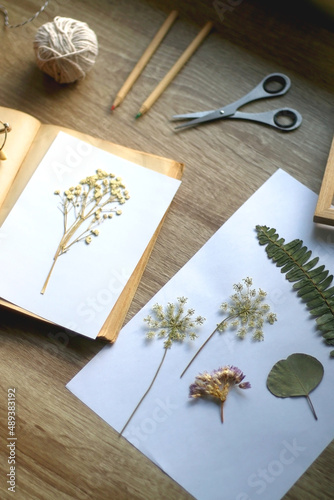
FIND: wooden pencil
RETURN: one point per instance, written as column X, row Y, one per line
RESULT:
column 175, row 69
column 152, row 47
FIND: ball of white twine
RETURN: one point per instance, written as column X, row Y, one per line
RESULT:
column 65, row 49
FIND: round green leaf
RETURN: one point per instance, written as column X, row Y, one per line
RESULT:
column 297, row 375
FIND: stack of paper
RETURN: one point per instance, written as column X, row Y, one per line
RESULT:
column 265, row 443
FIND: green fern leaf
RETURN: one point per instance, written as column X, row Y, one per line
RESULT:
column 311, row 283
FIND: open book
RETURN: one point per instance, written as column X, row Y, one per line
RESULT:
column 33, row 149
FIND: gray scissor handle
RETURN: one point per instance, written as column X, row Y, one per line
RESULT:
column 284, row 119
column 272, row 85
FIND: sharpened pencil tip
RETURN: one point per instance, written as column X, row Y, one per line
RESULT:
column 113, row 107
column 138, row 115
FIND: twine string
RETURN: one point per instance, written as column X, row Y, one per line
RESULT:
column 6, row 17
column 65, row 49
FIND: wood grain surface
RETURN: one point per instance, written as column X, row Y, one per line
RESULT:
column 64, row 451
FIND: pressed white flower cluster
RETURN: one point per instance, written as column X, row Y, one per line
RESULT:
column 174, row 323
column 85, row 206
column 246, row 310
column 95, row 198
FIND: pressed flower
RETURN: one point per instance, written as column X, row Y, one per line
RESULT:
column 245, row 312
column 217, row 384
column 85, row 207
column 173, row 324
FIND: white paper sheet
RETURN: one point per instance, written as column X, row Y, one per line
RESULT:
column 265, row 443
column 87, row 280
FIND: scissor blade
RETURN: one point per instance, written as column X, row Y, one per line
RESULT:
column 208, row 117
column 189, row 116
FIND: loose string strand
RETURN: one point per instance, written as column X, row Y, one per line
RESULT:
column 6, row 17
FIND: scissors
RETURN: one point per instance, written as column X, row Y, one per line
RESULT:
column 272, row 85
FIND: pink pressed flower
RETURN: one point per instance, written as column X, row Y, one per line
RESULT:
column 218, row 383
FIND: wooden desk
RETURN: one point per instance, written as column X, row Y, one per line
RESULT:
column 64, row 451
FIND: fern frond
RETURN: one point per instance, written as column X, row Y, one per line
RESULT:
column 311, row 283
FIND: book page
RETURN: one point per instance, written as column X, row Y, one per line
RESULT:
column 91, row 265
column 19, row 139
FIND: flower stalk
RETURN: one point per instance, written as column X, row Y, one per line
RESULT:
column 145, row 393
column 174, row 324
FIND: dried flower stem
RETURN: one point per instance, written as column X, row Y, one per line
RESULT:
column 62, row 248
column 147, row 391
column 174, row 324
column 204, row 343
